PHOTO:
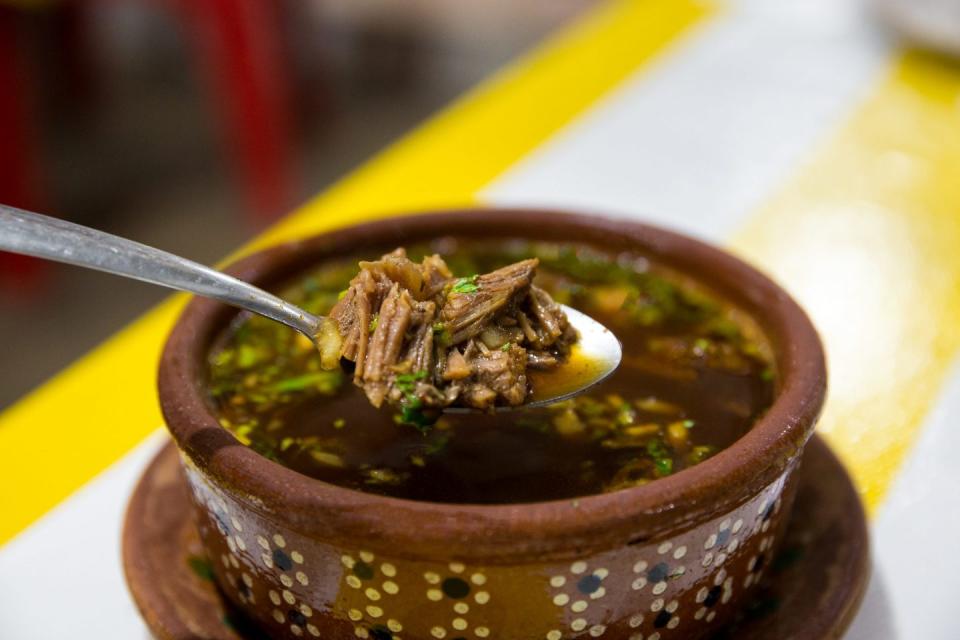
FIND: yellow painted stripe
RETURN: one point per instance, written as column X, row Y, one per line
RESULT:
column 867, row 237
column 87, row 417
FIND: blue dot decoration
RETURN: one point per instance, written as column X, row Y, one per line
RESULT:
column 589, row 584
column 662, row 619
column 723, row 536
column 658, row 572
column 282, row 560
column 713, row 596
column 380, row 632
column 455, row 588
column 296, row 617
column 362, row 570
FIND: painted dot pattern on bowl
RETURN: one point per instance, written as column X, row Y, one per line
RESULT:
column 676, row 588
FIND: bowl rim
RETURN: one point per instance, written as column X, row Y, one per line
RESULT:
column 503, row 533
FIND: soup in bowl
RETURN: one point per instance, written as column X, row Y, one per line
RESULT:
column 644, row 508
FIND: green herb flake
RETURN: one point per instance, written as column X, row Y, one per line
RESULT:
column 688, row 424
column 373, row 323
column 339, row 423
column 466, row 285
column 342, row 295
column 767, row 374
column 323, row 381
column 506, row 346
column 663, row 466
column 286, row 443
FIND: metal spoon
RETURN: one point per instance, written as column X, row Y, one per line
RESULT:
column 44, row 237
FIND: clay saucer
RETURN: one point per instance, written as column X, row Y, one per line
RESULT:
column 811, row 592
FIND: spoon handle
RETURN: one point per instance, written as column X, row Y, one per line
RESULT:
column 44, row 237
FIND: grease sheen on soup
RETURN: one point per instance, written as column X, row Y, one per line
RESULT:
column 696, row 374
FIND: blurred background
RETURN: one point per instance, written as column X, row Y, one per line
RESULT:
column 192, row 124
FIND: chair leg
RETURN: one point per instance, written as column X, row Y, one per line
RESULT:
column 239, row 49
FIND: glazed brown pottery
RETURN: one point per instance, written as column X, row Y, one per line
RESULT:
column 671, row 559
column 811, row 591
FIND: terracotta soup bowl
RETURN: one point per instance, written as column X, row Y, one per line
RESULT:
column 670, row 559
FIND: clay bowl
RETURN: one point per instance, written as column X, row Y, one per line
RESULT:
column 671, row 559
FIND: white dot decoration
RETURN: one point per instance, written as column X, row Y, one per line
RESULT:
column 354, row 581
column 388, row 570
column 664, row 548
column 554, row 634
column 597, row 630
column 654, row 636
column 431, row 577
column 438, row 632
column 306, row 610
column 394, row 625
column 672, row 624
column 558, row 581
column 278, row 616
column 355, row 614
column 478, row 579
column 679, row 552
column 636, row 636
column 599, row 593
column 279, row 541
column 579, row 624
column 601, row 573
column 711, row 541
column 286, row 580
column 312, row 630
column 711, row 616
column 366, row 556
column 636, row 621
column 561, row 599
column 348, row 561
column 640, row 566
column 372, row 594
column 579, row 606
column 391, row 588
column 459, row 624
column 578, row 567
column 461, row 607
column 638, row 584
column 361, row 632
column 297, row 557
column 296, row 630
column 247, row 580
column 434, row 594
column 263, row 542
column 457, row 567
column 656, row 605
column 659, row 588
column 302, row 578
column 482, row 597
column 737, row 525
column 288, row 597
column 707, row 559
column 374, row 611
column 702, row 611
column 482, row 632
column 672, row 606
column 274, row 597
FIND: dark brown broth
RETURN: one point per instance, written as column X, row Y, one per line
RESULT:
column 693, row 368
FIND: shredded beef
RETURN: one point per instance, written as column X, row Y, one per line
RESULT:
column 421, row 338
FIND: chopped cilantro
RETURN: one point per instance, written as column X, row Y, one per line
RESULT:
column 688, row 424
column 466, row 285
column 323, row 381
column 663, row 466
column 506, row 346
column 373, row 323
